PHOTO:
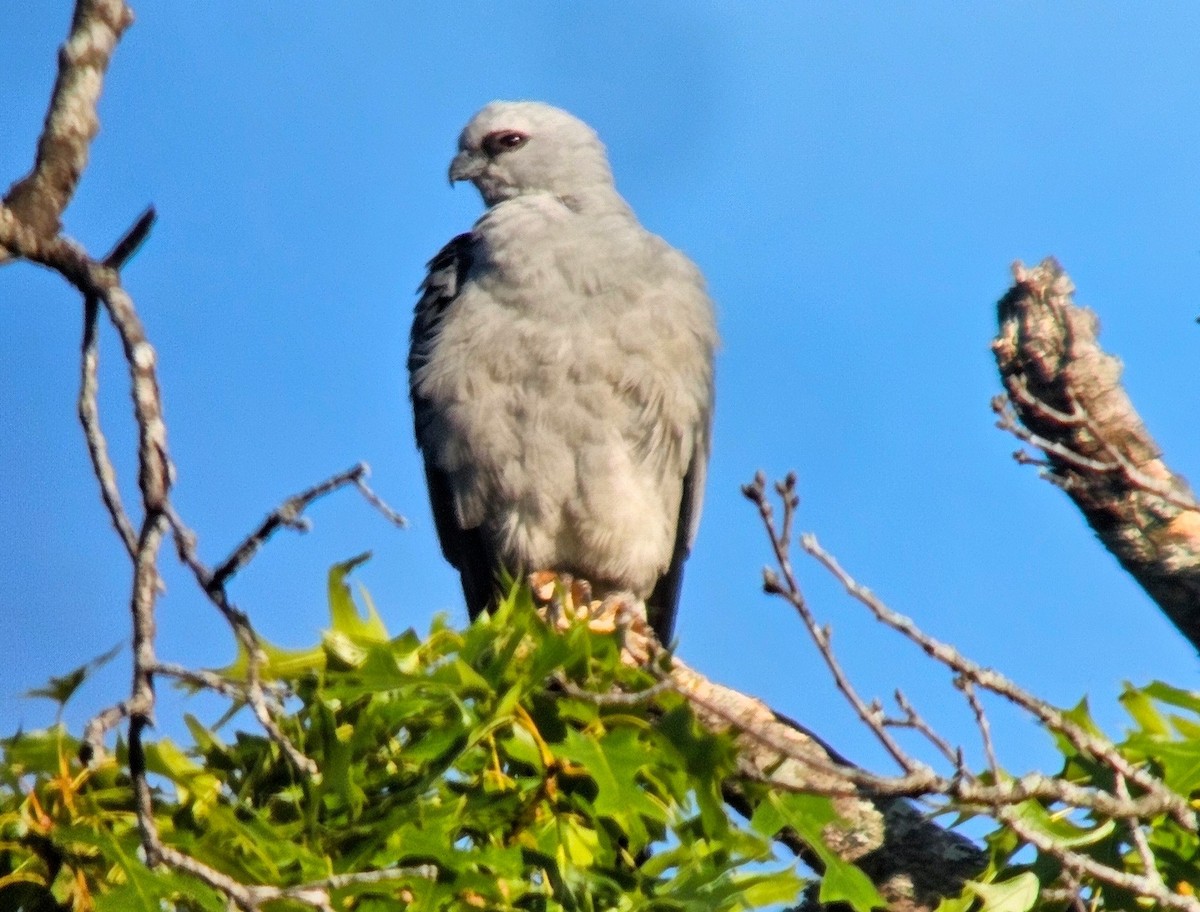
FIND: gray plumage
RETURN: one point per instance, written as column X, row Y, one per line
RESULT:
column 561, row 372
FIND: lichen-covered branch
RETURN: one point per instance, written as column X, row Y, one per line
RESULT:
column 1064, row 397
column 39, row 198
column 912, row 861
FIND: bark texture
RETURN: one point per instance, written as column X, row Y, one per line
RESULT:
column 1065, row 391
column 913, row 862
column 39, row 198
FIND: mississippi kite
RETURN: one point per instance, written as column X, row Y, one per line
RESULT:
column 561, row 373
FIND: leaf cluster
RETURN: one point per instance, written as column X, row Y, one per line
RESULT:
column 460, row 758
column 1164, row 740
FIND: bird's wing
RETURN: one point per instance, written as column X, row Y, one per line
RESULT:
column 465, row 549
column 663, row 602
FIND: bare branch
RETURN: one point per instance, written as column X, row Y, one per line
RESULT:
column 997, row 683
column 1065, row 397
column 39, row 198
column 965, row 791
column 290, row 514
column 784, row 584
column 89, row 410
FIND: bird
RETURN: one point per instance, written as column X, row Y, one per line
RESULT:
column 561, row 372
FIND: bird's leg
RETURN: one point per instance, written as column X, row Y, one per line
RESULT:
column 564, row 600
column 622, row 610
column 560, row 597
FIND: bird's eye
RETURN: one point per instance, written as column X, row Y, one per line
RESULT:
column 503, row 141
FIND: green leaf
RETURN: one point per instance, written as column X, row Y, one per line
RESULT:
column 1144, row 712
column 1173, row 696
column 1188, row 729
column 842, row 881
column 706, row 759
column 1017, row 894
column 61, row 689
column 194, row 784
column 144, row 889
column 281, row 664
column 343, row 612
column 38, row 751
column 1064, row 832
column 614, row 762
column 1180, row 761
column 778, row 888
column 580, row 843
column 1081, row 715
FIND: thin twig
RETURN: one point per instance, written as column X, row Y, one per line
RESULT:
column 616, row 697
column 1079, row 417
column 997, row 683
column 88, row 404
column 789, row 589
column 89, row 417
column 1007, row 421
column 289, row 514
column 967, row 687
column 376, row 501
column 202, row 679
column 1145, row 853
column 914, row 720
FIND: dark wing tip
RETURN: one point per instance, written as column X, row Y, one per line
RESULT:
column 464, row 549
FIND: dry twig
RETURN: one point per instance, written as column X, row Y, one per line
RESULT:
column 30, row 229
column 1000, row 797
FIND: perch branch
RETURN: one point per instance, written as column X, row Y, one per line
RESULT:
column 912, row 861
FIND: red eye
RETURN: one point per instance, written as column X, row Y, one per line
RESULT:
column 503, row 141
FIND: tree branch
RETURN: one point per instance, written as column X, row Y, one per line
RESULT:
column 912, row 861
column 89, row 386
column 39, row 198
column 997, row 796
column 1064, row 396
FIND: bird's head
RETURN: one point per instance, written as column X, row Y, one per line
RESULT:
column 515, row 147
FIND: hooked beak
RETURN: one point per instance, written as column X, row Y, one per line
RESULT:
column 465, row 166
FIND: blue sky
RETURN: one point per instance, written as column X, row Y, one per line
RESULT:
column 854, row 180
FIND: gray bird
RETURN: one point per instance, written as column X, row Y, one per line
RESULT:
column 561, row 373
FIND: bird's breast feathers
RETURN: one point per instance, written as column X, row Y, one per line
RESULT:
column 571, row 382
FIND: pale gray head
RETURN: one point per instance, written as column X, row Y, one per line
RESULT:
column 515, row 147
